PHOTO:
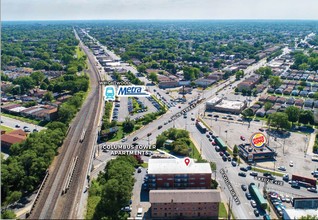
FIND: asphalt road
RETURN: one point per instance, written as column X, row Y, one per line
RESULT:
column 11, row 123
column 50, row 203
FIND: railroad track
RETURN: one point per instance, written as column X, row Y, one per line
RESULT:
column 51, row 203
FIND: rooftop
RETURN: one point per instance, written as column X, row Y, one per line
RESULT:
column 228, row 104
column 176, row 166
column 297, row 213
column 184, row 196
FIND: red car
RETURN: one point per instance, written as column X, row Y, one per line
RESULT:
column 242, row 138
column 213, row 142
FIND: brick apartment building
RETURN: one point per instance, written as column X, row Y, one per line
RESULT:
column 174, row 174
column 184, row 204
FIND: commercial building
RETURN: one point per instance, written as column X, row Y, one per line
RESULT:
column 305, row 203
column 227, row 106
column 173, row 173
column 251, row 154
column 184, row 204
column 297, row 213
column 249, row 83
column 204, row 82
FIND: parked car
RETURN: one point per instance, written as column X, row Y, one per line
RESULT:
column 17, row 126
column 249, row 167
column 242, row 138
column 135, row 138
column 282, row 168
column 248, row 195
column 291, row 163
column 243, row 169
column 256, row 212
column 159, row 127
column 221, row 153
column 312, row 189
column 229, row 159
column 242, row 174
column 244, row 187
column 253, row 203
column 261, row 129
column 233, row 163
column 253, row 173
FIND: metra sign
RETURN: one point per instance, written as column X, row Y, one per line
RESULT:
column 132, row 91
column 258, row 140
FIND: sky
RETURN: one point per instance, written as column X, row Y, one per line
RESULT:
column 157, row 9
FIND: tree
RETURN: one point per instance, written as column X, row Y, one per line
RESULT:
column 308, row 217
column 293, row 113
column 239, row 74
column 300, row 88
column 37, row 77
column 141, row 68
column 235, row 151
column 25, row 83
column 128, row 125
column 153, row 77
column 48, row 97
column 268, row 106
column 8, row 214
column 247, row 113
column 264, row 72
column 161, row 139
column 306, row 117
column 13, row 197
column 275, row 82
column 279, row 120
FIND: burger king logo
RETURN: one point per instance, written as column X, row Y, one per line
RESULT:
column 258, row 140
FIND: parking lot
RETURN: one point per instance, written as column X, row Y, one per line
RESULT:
column 289, row 148
column 140, row 197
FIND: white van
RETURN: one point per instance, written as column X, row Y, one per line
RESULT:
column 139, row 214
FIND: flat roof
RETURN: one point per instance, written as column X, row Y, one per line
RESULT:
column 230, row 104
column 18, row 109
column 213, row 100
column 177, row 166
column 184, row 196
column 297, row 213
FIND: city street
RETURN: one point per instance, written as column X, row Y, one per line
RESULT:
column 12, row 123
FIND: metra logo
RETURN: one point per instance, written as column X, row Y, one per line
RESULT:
column 132, row 91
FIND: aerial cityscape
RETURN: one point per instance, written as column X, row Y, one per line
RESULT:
column 159, row 109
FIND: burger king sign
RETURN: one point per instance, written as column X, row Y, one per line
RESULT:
column 258, row 140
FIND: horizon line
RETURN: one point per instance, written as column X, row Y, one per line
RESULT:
column 173, row 19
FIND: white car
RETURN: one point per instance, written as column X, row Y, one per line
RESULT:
column 282, row 168
column 291, row 163
column 253, row 203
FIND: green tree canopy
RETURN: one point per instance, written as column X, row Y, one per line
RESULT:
column 279, row 120
column 275, row 81
column 293, row 113
column 306, row 117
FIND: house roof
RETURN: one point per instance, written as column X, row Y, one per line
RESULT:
column 13, row 137
column 184, row 196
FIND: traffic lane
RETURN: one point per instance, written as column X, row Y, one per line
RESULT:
column 11, row 123
column 242, row 211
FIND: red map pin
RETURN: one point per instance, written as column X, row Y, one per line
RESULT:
column 187, row 161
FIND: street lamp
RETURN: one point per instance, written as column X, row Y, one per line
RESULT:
column 225, row 135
